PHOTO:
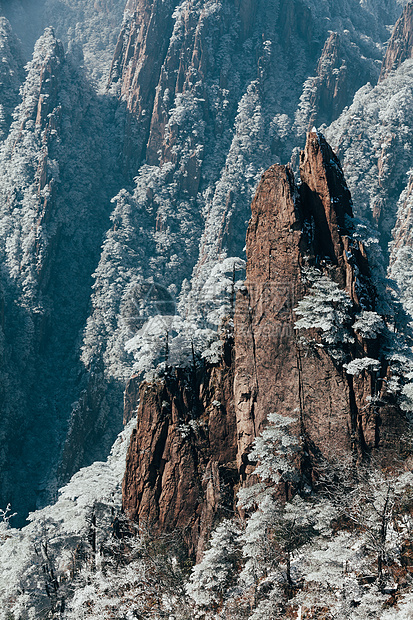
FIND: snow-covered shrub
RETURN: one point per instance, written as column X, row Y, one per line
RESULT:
column 358, row 365
column 57, row 541
column 212, row 577
column 369, row 324
column 326, row 307
column 274, row 450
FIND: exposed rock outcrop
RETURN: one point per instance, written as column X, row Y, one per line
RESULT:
column 181, row 468
column 274, row 369
column 296, row 237
column 400, row 46
column 139, row 55
column 341, row 71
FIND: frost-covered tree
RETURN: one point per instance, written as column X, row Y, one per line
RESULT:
column 211, row 579
column 273, row 532
column 210, row 303
column 178, row 335
column 375, row 507
column 326, row 307
column 356, row 366
column 274, row 450
column 40, row 562
column 369, row 324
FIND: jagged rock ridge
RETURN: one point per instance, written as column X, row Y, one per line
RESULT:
column 275, row 370
column 293, row 231
column 400, row 46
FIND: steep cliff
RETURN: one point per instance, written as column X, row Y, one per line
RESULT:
column 307, row 345
column 276, row 368
column 181, row 464
column 341, row 70
column 400, row 46
column 11, row 74
column 54, row 210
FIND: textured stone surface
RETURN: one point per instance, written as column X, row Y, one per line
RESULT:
column 273, row 370
column 340, row 73
column 181, row 468
column 400, row 46
column 138, row 58
column 195, row 431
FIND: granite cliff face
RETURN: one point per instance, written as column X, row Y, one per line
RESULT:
column 341, row 71
column 173, row 474
column 400, row 46
column 276, row 370
column 209, row 96
column 181, row 465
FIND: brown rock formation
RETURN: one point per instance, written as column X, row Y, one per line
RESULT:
column 273, row 370
column 400, row 46
column 181, row 470
column 292, row 230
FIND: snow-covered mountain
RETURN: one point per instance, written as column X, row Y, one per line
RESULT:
column 132, row 143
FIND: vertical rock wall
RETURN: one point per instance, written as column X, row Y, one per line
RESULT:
column 187, row 437
column 400, row 46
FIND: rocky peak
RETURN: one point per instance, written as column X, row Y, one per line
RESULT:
column 276, row 367
column 327, row 200
column 136, row 66
column 341, row 70
column 298, row 238
column 400, row 46
column 180, row 468
column 325, row 194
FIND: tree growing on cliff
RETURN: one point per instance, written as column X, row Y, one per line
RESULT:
column 376, row 506
column 326, row 307
column 274, row 529
column 273, row 532
column 274, row 453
